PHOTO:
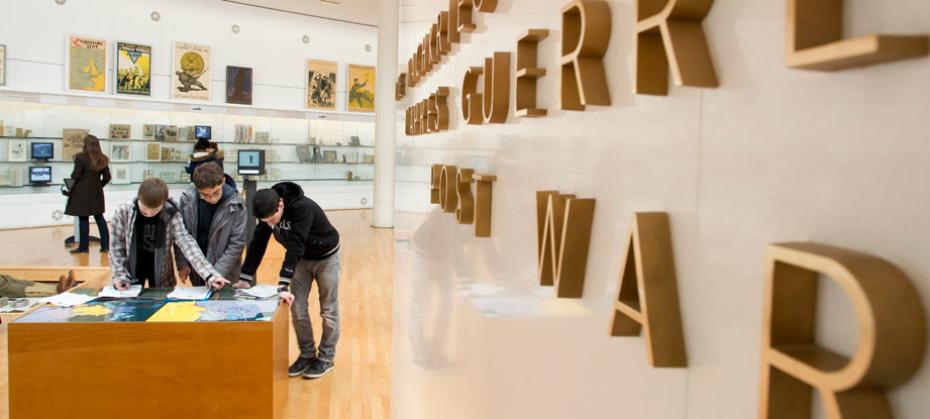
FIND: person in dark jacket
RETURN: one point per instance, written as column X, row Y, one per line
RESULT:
column 215, row 216
column 91, row 173
column 312, row 254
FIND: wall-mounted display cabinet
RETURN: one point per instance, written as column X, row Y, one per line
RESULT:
column 145, row 139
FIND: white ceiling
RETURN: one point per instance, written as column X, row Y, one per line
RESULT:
column 356, row 11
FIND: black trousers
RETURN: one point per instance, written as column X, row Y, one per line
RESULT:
column 84, row 231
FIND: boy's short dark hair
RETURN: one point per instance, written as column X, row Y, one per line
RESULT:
column 265, row 203
column 153, row 192
column 208, row 175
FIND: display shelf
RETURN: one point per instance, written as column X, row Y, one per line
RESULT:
column 136, row 140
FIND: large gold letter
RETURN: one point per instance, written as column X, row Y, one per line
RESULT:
column 585, row 37
column 564, row 233
column 814, row 40
column 648, row 296
column 471, row 99
column 465, row 213
column 891, row 327
column 669, row 35
column 448, row 196
column 434, row 187
column 484, row 191
column 497, row 88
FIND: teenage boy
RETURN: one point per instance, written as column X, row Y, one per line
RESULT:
column 312, row 254
column 214, row 215
column 144, row 229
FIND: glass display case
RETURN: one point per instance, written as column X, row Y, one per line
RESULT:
column 156, row 139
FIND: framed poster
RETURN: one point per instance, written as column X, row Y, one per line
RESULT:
column 321, row 84
column 329, row 156
column 133, row 69
column 238, row 85
column 120, row 152
column 86, row 65
column 192, row 73
column 120, row 174
column 360, row 85
column 2, row 65
column 18, row 150
column 72, row 142
column 153, row 152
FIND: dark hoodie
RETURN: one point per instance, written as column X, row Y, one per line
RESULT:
column 304, row 231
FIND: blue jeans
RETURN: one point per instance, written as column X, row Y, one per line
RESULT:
column 326, row 274
column 84, row 231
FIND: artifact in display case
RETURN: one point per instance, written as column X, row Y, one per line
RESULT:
column 354, row 141
column 17, row 150
column 251, row 162
column 120, row 152
column 271, row 156
column 12, row 176
column 239, row 85
column 329, row 156
column 153, row 152
column 168, row 177
column 23, row 133
column 120, row 174
column 262, row 137
column 321, row 84
column 317, row 155
column 350, row 157
column 43, row 151
column 244, row 133
column 120, row 131
column 186, row 134
column 360, row 84
column 192, row 72
column 303, row 153
column 40, row 175
column 72, row 140
column 87, row 65
column 368, row 158
column 147, row 173
column 158, row 132
column 171, row 154
column 133, row 69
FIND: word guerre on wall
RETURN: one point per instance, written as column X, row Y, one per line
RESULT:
column 892, row 326
column 669, row 41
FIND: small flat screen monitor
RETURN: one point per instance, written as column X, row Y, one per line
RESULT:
column 43, row 151
column 251, row 162
column 40, row 175
column 203, row 132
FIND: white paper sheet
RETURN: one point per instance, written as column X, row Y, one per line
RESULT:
column 132, row 292
column 68, row 299
column 190, row 293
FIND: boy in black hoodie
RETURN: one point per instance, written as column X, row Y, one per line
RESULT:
column 312, row 254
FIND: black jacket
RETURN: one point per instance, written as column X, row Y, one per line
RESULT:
column 86, row 197
column 304, row 231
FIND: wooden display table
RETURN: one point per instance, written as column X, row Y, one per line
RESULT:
column 150, row 358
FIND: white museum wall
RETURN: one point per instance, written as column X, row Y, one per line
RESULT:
column 772, row 155
column 269, row 42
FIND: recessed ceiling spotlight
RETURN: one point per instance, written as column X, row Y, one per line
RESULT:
column 235, row 28
column 60, row 2
column 306, row 39
column 155, row 16
column 367, row 47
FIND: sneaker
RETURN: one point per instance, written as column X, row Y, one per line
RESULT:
column 318, row 369
column 299, row 366
column 80, row 250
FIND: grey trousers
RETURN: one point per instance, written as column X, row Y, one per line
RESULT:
column 326, row 274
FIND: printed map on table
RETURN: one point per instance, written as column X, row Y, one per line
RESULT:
column 207, row 311
column 109, row 311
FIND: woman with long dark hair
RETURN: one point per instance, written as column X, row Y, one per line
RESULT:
column 91, row 173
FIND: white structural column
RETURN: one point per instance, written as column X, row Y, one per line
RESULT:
column 386, row 112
